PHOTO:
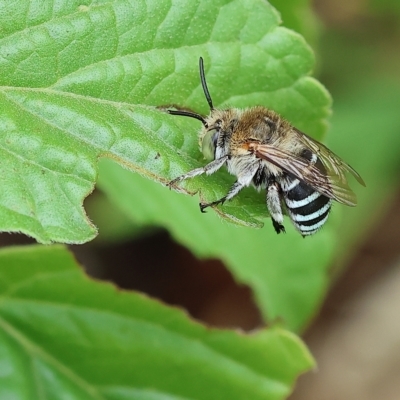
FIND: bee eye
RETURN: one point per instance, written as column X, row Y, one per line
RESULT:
column 209, row 144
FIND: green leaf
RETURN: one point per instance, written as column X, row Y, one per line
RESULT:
column 287, row 273
column 65, row 336
column 80, row 81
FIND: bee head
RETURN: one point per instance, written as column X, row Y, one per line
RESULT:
column 214, row 137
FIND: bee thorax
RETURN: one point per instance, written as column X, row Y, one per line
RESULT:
column 244, row 168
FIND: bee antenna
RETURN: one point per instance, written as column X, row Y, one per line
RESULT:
column 204, row 83
column 188, row 114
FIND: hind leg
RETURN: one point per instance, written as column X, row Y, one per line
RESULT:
column 275, row 207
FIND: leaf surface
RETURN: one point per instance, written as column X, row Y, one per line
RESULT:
column 64, row 336
column 81, row 80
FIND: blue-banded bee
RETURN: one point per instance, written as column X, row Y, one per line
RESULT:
column 301, row 176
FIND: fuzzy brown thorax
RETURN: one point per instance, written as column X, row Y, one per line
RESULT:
column 232, row 128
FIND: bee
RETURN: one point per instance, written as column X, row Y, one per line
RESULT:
column 300, row 176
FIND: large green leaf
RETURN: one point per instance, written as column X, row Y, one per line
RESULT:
column 80, row 78
column 287, row 273
column 65, row 336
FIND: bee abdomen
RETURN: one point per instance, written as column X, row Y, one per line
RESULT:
column 307, row 208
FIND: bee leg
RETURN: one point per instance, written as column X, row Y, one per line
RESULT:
column 233, row 191
column 209, row 169
column 274, row 207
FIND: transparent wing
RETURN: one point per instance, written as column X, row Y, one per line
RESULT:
column 326, row 176
column 333, row 163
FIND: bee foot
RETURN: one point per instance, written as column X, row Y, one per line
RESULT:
column 203, row 206
column 278, row 227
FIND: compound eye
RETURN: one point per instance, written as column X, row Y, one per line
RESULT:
column 209, row 144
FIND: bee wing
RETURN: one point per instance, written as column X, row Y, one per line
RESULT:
column 326, row 177
column 331, row 161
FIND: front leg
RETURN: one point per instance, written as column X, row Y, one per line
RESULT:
column 233, row 191
column 209, row 169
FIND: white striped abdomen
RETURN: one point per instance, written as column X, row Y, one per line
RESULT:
column 307, row 208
